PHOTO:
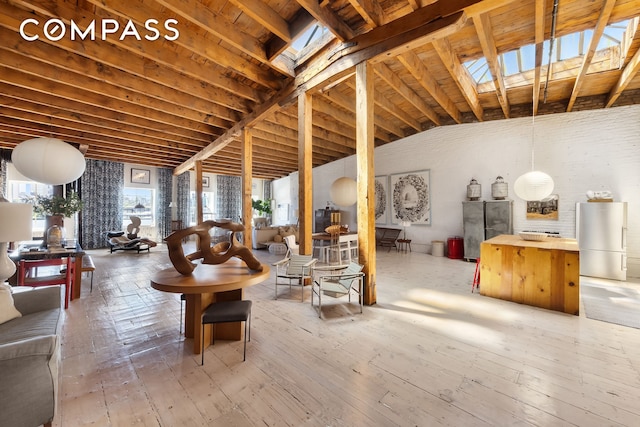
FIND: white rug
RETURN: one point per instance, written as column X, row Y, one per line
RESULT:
column 613, row 304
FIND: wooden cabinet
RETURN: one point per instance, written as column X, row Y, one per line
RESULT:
column 544, row 274
column 323, row 219
column 484, row 220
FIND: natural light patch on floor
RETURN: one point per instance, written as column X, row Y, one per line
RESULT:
column 450, row 314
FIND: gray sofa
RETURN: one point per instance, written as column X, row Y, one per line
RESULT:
column 30, row 358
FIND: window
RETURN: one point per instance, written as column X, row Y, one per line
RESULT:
column 18, row 191
column 139, row 202
column 208, row 207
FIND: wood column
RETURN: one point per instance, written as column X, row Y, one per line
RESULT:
column 366, row 177
column 305, row 176
column 199, row 207
column 247, row 177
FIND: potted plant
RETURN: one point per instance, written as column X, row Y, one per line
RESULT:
column 262, row 207
column 56, row 205
column 55, row 209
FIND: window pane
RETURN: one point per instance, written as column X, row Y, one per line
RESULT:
column 139, row 202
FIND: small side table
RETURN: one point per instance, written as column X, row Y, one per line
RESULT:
column 403, row 244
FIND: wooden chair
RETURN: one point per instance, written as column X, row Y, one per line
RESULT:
column 28, row 275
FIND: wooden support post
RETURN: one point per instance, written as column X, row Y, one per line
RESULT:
column 305, row 166
column 247, row 177
column 366, row 175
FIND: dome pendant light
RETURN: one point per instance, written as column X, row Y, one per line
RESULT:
column 534, row 185
column 344, row 192
column 48, row 160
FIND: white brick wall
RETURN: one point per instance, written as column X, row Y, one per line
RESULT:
column 589, row 150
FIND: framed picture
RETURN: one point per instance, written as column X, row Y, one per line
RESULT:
column 205, row 182
column 140, row 176
column 543, row 209
column 411, row 198
column 382, row 199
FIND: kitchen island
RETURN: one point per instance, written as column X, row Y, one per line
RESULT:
column 543, row 273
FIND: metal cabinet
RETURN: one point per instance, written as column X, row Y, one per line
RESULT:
column 484, row 220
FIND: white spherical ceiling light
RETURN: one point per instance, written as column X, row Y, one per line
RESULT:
column 534, row 185
column 344, row 191
column 48, row 160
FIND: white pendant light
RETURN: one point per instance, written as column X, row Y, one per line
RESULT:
column 534, row 185
column 48, row 160
column 344, row 192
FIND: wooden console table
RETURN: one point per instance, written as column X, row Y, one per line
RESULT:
column 209, row 283
column 543, row 274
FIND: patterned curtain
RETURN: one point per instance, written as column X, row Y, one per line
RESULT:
column 163, row 211
column 101, row 191
column 229, row 197
column 3, row 177
column 266, row 189
column 182, row 198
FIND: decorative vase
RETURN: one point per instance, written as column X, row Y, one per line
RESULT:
column 49, row 222
column 54, row 237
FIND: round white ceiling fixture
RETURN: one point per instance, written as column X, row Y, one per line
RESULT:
column 344, row 192
column 48, row 160
column 534, row 185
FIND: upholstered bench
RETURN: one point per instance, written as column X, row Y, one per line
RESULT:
column 88, row 267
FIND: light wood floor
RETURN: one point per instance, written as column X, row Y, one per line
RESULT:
column 428, row 353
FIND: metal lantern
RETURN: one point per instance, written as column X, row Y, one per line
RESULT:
column 474, row 190
column 499, row 189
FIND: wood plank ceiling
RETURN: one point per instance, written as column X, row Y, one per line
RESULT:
column 167, row 102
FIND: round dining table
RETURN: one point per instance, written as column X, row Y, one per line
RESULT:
column 209, row 283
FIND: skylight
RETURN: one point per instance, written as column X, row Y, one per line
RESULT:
column 566, row 47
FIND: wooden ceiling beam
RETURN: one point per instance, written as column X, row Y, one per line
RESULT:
column 539, row 26
column 265, row 16
column 38, row 91
column 106, row 53
column 485, row 32
column 193, row 41
column 406, row 92
column 460, row 76
column 79, row 82
column 298, row 25
column 187, row 147
column 422, row 75
column 328, row 18
column 629, row 73
column 370, row 11
column 603, row 20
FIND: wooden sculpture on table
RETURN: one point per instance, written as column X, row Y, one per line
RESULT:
column 216, row 254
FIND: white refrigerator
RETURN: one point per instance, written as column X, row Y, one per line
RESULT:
column 601, row 230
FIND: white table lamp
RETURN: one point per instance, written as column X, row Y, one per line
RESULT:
column 15, row 226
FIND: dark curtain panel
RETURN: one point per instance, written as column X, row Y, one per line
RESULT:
column 229, row 197
column 163, row 211
column 182, row 198
column 101, row 192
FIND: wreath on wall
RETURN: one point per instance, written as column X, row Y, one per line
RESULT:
column 381, row 198
column 411, row 198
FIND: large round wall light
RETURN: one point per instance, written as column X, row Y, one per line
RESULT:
column 534, row 185
column 344, row 191
column 48, row 160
